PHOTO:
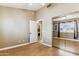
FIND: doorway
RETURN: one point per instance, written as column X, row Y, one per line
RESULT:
column 39, row 31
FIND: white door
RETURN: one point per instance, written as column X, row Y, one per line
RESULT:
column 33, row 31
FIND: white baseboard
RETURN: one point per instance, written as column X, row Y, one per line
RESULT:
column 6, row 48
column 46, row 44
column 32, row 42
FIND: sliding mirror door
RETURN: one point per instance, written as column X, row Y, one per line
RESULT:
column 66, row 29
column 55, row 29
column 78, row 28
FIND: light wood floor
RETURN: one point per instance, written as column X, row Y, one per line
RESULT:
column 35, row 49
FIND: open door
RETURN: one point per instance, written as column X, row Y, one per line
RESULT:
column 33, row 32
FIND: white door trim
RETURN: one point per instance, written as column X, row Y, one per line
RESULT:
column 33, row 32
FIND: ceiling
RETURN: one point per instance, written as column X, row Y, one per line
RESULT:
column 29, row 6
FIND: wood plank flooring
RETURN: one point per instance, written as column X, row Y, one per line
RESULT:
column 35, row 49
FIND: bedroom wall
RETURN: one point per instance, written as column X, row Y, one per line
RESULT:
column 14, row 26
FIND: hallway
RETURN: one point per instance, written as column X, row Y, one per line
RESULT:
column 35, row 49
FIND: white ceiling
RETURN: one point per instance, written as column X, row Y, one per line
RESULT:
column 29, row 6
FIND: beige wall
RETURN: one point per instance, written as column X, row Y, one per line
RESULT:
column 14, row 26
column 48, row 13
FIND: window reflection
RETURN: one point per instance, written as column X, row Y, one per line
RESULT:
column 67, row 27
